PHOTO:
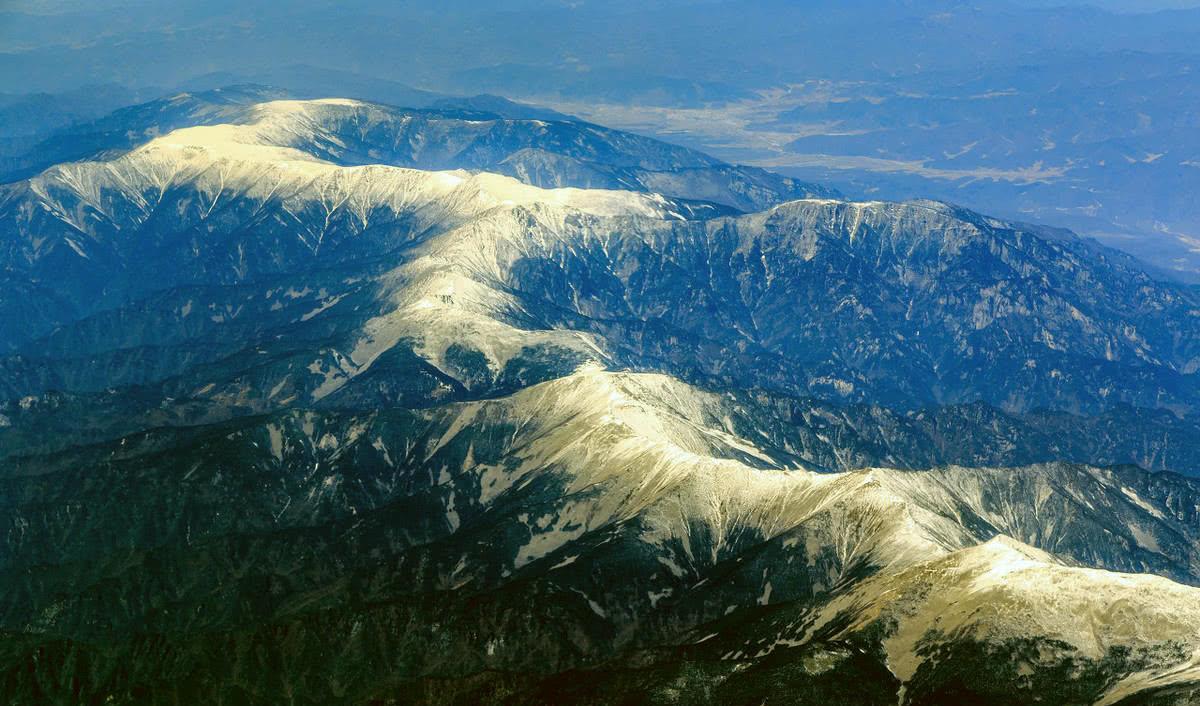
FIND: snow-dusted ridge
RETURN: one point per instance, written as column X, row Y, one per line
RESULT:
column 652, row 448
column 1004, row 590
column 257, row 160
column 924, row 559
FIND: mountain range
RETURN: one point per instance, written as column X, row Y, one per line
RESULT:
column 321, row 400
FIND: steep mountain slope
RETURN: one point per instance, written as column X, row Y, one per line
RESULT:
column 619, row 501
column 904, row 304
column 214, row 205
column 69, row 206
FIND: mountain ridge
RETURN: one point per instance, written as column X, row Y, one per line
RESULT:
column 596, row 457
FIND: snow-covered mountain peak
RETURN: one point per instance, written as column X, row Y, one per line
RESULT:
column 1002, row 591
column 277, row 131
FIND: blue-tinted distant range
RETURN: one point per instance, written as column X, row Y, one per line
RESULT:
column 656, row 352
column 1078, row 115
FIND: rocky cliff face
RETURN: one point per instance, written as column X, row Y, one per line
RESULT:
column 287, row 417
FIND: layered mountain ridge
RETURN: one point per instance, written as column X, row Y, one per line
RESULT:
column 302, row 402
column 620, row 502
